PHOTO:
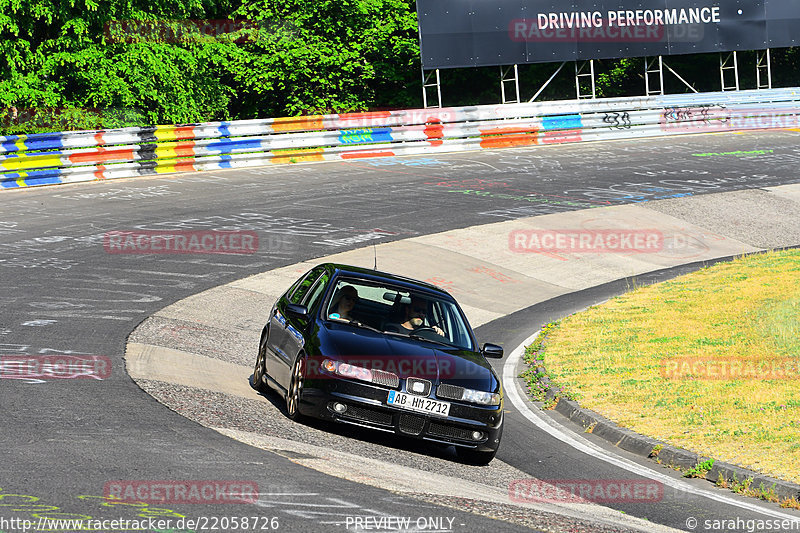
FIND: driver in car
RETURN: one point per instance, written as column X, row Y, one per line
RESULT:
column 415, row 314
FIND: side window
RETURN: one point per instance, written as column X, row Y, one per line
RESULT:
column 303, row 287
column 459, row 330
column 296, row 284
column 436, row 318
column 440, row 318
column 316, row 293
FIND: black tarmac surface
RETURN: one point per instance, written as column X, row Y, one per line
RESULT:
column 64, row 440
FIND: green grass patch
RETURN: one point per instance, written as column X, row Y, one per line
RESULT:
column 617, row 357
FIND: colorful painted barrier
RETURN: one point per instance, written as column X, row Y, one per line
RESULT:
column 68, row 157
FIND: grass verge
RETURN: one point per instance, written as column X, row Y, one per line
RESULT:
column 709, row 362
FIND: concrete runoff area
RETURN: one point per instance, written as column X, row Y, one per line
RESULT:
column 490, row 279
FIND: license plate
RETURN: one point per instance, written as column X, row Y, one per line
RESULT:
column 418, row 403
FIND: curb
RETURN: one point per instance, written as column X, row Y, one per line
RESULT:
column 666, row 455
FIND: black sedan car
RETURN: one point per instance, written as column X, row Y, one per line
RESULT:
column 363, row 347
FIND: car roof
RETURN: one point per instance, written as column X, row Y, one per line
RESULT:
column 377, row 275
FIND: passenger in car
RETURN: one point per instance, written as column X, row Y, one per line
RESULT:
column 343, row 303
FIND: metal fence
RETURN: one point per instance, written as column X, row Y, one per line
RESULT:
column 69, row 157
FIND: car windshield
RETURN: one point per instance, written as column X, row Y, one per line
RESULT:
column 398, row 311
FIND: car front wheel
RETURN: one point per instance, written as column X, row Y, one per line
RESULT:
column 295, row 392
column 475, row 457
column 479, row 457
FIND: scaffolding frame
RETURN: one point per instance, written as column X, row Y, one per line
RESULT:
column 763, row 64
column 545, row 84
column 726, row 66
column 427, row 84
column 580, row 72
column 650, row 70
column 585, row 80
column 505, row 79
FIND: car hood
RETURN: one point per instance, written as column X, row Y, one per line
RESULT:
column 410, row 357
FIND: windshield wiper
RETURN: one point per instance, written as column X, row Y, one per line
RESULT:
column 426, row 339
column 361, row 325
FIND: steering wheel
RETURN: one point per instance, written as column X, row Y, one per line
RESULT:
column 427, row 332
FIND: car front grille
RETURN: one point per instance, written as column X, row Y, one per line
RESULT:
column 368, row 415
column 411, row 424
column 450, row 432
column 387, row 379
column 412, row 382
column 451, row 392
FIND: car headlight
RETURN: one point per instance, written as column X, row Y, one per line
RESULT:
column 480, row 397
column 355, row 372
column 346, row 370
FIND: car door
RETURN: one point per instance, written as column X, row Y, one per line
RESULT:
column 301, row 330
column 276, row 357
column 286, row 331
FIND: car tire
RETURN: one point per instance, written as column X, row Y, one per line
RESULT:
column 475, row 457
column 294, row 394
column 260, row 369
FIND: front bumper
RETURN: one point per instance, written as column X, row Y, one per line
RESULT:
column 365, row 405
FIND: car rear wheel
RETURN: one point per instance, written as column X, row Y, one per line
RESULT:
column 295, row 392
column 259, row 371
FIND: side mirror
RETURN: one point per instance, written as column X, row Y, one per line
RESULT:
column 492, row 351
column 297, row 311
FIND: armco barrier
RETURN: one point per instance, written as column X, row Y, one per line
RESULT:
column 68, row 157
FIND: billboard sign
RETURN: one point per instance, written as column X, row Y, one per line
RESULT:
column 475, row 33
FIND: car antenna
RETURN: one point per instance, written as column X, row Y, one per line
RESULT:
column 375, row 254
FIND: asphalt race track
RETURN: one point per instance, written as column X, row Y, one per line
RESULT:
column 66, row 440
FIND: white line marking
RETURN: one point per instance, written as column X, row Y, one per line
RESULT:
column 332, row 503
column 289, row 494
column 554, row 430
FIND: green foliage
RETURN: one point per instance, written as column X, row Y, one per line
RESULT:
column 656, row 450
column 700, row 470
column 537, row 379
column 59, row 54
column 63, row 60
column 70, row 58
column 620, row 77
column 336, row 56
